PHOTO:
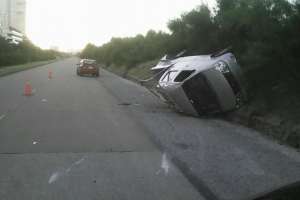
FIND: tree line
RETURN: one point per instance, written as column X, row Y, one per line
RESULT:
column 12, row 54
column 264, row 36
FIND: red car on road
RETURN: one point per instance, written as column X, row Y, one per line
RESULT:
column 87, row 67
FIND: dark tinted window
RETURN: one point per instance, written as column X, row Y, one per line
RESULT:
column 201, row 95
column 183, row 75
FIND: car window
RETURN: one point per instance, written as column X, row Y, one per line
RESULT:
column 183, row 75
column 169, row 76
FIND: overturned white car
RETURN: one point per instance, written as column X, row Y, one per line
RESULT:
column 204, row 84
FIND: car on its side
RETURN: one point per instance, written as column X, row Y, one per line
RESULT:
column 87, row 67
column 202, row 84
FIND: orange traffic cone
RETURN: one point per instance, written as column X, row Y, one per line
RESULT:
column 50, row 74
column 27, row 89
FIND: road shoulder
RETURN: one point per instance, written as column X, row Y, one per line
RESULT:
column 218, row 157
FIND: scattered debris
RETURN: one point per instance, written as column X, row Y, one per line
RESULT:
column 34, row 142
column 54, row 177
column 79, row 161
column 128, row 104
column 124, row 104
column 182, row 145
column 165, row 164
column 2, row 117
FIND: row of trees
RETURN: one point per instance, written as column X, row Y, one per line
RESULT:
column 11, row 54
column 264, row 35
column 130, row 51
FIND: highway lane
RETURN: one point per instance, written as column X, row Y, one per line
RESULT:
column 74, row 140
column 98, row 138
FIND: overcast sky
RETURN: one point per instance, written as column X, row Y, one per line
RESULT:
column 71, row 24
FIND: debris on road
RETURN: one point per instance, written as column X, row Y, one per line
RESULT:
column 54, row 177
column 128, row 104
column 2, row 117
column 124, row 104
column 165, row 164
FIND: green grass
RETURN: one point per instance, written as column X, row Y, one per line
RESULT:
column 139, row 72
column 119, row 70
column 142, row 71
column 17, row 68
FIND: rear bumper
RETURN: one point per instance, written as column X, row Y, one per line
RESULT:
column 80, row 71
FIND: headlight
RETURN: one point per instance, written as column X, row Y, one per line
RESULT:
column 222, row 67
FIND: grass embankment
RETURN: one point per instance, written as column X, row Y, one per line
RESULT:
column 273, row 109
column 140, row 72
column 17, row 68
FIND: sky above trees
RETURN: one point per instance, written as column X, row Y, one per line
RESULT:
column 70, row 25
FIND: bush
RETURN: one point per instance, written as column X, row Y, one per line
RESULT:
column 11, row 54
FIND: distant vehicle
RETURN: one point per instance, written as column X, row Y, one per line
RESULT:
column 87, row 67
column 203, row 84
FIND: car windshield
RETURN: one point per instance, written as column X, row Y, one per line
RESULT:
column 89, row 62
column 149, row 99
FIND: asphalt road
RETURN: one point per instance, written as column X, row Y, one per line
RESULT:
column 74, row 140
column 109, row 138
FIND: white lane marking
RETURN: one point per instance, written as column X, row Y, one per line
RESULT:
column 2, row 117
column 56, row 175
column 79, row 161
column 165, row 164
column 68, row 170
column 44, row 100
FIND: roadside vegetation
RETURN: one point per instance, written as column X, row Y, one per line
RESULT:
column 25, row 52
column 264, row 36
column 16, row 68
